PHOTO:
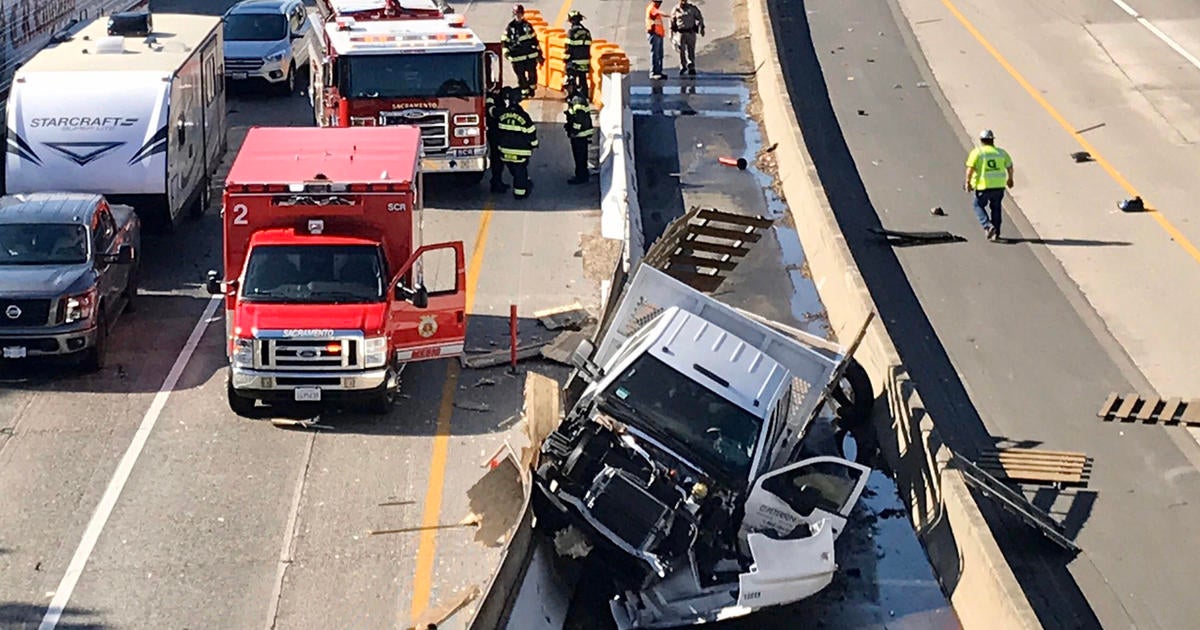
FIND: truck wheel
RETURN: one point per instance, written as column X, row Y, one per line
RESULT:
column 287, row 87
column 854, row 397
column 239, row 404
column 381, row 402
column 93, row 358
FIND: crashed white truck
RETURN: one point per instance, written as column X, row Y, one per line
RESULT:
column 701, row 459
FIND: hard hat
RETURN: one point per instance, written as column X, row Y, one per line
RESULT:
column 574, row 16
column 987, row 134
column 518, row 8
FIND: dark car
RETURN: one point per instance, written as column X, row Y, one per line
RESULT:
column 68, row 268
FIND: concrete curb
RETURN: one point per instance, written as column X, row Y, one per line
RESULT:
column 972, row 570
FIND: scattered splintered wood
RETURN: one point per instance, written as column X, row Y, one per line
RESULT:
column 500, row 357
column 570, row 317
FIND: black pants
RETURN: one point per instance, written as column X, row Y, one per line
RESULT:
column 577, row 81
column 496, row 166
column 520, row 175
column 579, row 150
column 526, row 75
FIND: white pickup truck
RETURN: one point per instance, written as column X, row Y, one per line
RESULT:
column 701, row 457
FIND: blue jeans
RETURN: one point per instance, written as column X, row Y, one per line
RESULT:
column 656, row 53
column 989, row 199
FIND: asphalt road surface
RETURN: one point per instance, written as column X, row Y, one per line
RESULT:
column 1003, row 343
column 224, row 522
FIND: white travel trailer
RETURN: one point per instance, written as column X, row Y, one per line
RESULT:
column 137, row 117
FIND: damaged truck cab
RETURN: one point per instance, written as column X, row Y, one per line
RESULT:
column 696, row 460
column 328, row 290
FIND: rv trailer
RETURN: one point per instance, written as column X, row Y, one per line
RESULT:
column 135, row 112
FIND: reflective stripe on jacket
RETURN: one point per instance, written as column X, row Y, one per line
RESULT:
column 517, row 133
column 991, row 166
column 579, row 119
column 579, row 47
column 520, row 41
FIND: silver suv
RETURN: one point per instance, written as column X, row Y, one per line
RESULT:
column 267, row 40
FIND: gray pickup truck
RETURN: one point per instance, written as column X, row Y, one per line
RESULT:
column 68, row 268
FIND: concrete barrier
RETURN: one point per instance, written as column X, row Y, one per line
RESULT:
column 972, row 570
column 620, row 214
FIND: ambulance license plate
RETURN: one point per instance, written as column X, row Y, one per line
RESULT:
column 14, row 352
column 308, row 394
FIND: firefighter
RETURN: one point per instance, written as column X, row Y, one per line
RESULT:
column 495, row 102
column 579, row 53
column 522, row 50
column 580, row 131
column 518, row 139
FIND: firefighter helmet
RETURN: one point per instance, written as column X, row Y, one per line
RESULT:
column 518, row 9
column 574, row 16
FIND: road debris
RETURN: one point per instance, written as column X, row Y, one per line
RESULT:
column 437, row 615
column 307, row 423
column 1082, row 156
column 937, row 211
column 484, row 382
column 471, row 520
column 500, row 357
column 570, row 317
column 472, row 406
column 564, row 345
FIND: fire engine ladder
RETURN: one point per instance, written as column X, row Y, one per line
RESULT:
column 1013, row 502
column 703, row 246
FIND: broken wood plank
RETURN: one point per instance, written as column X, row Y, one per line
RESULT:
column 1170, row 409
column 733, row 235
column 500, row 357
column 1110, row 405
column 693, row 246
column 696, row 261
column 707, row 214
column 1128, row 405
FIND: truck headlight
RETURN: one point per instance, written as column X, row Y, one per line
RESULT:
column 276, row 56
column 79, row 307
column 466, row 132
column 375, row 352
column 243, row 353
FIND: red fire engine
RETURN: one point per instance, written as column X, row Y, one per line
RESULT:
column 402, row 62
column 328, row 290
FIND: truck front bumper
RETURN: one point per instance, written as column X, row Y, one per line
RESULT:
column 449, row 163
column 21, row 343
column 262, row 384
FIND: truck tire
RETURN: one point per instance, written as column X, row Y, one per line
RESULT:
column 93, row 357
column 287, row 86
column 854, row 397
column 239, row 404
column 380, row 403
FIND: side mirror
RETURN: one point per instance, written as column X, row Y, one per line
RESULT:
column 419, row 297
column 125, row 255
column 212, row 283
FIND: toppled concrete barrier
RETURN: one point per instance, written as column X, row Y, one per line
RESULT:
column 964, row 554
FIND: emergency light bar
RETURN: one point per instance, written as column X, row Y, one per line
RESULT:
column 440, row 37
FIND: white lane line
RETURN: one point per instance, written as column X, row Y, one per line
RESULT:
column 1166, row 39
column 289, row 534
column 107, row 502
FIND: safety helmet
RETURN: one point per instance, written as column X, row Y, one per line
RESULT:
column 987, row 134
column 574, row 16
column 513, row 95
column 519, row 9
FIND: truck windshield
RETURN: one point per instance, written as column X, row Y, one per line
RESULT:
column 43, row 244
column 411, row 76
column 684, row 414
column 324, row 274
column 255, row 27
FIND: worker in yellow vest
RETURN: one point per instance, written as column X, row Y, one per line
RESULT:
column 989, row 171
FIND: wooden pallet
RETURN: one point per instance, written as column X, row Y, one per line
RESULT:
column 1150, row 410
column 702, row 247
column 1037, row 466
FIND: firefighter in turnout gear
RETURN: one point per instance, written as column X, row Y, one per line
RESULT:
column 580, row 131
column 522, row 50
column 518, row 139
column 578, row 53
column 495, row 102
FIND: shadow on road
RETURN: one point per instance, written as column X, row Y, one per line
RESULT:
column 1040, row 569
column 21, row 615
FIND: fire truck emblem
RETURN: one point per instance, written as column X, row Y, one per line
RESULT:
column 427, row 326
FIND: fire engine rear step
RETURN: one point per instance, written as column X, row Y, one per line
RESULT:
column 1014, row 503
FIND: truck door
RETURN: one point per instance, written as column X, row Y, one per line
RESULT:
column 806, row 492
column 439, row 329
column 493, row 70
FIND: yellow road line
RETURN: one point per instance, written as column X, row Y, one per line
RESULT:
column 426, row 550
column 562, row 14
column 1163, row 222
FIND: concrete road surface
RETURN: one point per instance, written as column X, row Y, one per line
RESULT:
column 224, row 522
column 1081, row 301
